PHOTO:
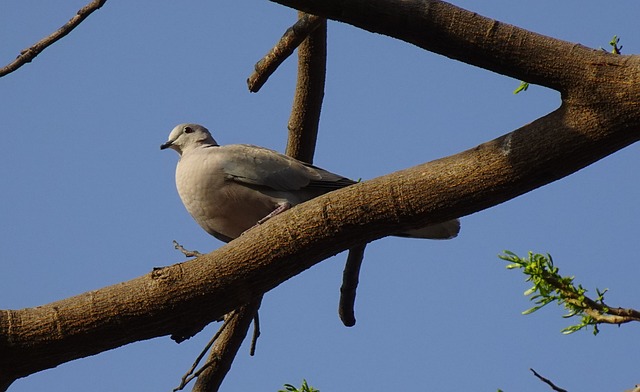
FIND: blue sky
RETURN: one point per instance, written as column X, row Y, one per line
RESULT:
column 89, row 200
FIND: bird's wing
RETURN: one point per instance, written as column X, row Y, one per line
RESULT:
column 261, row 166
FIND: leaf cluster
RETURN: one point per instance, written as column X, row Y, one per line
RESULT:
column 303, row 388
column 549, row 286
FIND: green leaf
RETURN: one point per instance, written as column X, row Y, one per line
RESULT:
column 288, row 388
column 615, row 49
column 522, row 87
column 531, row 310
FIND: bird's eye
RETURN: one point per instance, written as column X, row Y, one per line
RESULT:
column 188, row 130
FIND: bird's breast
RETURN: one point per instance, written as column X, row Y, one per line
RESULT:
column 216, row 202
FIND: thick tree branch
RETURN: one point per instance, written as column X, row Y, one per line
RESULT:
column 445, row 29
column 27, row 55
column 198, row 291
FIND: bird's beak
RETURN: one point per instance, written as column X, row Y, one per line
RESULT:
column 166, row 145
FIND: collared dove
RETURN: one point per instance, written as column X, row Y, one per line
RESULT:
column 229, row 189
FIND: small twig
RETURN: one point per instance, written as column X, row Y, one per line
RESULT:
column 27, row 55
column 549, row 286
column 548, row 382
column 187, row 253
column 283, row 49
column 192, row 373
column 226, row 347
column 256, row 334
column 599, row 311
column 350, row 278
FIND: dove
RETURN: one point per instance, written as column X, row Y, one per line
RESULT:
column 232, row 188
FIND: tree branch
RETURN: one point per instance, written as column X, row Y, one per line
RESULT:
column 601, row 313
column 350, row 279
column 548, row 382
column 27, row 55
column 550, row 286
column 192, row 373
column 307, row 102
column 198, row 291
column 303, row 134
column 445, row 29
column 293, row 37
column 226, row 347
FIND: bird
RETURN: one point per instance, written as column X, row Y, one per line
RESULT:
column 231, row 188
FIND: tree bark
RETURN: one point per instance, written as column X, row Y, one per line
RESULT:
column 307, row 102
column 459, row 34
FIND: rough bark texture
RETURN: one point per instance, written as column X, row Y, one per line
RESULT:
column 459, row 34
column 599, row 115
column 307, row 102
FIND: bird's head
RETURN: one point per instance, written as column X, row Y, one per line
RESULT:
column 186, row 136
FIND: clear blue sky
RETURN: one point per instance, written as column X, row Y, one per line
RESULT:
column 89, row 200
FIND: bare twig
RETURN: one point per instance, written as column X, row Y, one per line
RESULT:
column 548, row 382
column 187, row 253
column 256, row 333
column 27, row 55
column 225, row 342
column 192, row 373
column 283, row 49
column 225, row 347
column 350, row 278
